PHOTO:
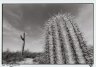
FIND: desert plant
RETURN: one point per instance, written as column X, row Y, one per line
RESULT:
column 62, row 23
column 11, row 57
column 23, row 39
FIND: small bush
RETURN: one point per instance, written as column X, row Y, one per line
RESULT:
column 41, row 59
column 11, row 57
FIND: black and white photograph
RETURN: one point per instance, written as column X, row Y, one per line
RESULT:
column 47, row 33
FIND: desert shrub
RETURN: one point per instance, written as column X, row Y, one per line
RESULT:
column 41, row 58
column 28, row 54
column 11, row 57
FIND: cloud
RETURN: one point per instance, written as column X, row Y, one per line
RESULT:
column 13, row 14
column 12, row 41
column 8, row 29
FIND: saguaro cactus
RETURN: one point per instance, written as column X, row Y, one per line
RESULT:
column 23, row 39
column 65, row 43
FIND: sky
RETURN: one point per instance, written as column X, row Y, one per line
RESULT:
column 30, row 18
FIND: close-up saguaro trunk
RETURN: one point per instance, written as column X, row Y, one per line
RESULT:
column 67, row 41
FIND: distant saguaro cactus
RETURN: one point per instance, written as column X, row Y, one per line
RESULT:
column 23, row 39
column 64, row 42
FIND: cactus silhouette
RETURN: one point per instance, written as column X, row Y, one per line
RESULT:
column 23, row 39
column 64, row 42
